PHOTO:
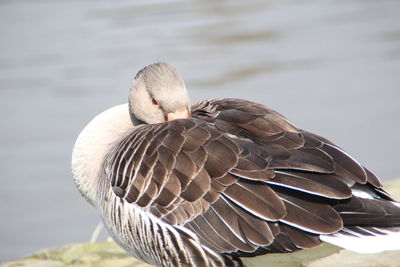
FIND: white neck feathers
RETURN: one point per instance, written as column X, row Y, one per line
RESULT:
column 94, row 143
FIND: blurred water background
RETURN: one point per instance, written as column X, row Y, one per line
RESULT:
column 332, row 67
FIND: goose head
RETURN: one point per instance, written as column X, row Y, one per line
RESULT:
column 158, row 94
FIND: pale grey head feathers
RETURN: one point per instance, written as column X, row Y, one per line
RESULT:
column 156, row 91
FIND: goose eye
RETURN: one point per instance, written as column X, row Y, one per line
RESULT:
column 154, row 101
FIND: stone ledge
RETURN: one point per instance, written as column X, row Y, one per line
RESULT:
column 109, row 254
column 100, row 254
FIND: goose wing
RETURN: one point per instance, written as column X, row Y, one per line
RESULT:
column 242, row 177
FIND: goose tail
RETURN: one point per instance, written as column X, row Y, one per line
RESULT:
column 366, row 240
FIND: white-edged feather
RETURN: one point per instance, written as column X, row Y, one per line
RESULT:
column 362, row 194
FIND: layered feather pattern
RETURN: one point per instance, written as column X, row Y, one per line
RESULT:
column 245, row 180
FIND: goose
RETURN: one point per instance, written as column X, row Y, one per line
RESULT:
column 214, row 183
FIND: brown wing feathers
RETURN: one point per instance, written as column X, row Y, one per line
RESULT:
column 325, row 185
column 180, row 161
column 244, row 179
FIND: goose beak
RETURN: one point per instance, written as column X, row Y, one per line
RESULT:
column 180, row 114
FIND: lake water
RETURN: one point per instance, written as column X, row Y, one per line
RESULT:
column 332, row 67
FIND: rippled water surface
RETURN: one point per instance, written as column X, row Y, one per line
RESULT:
column 332, row 67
